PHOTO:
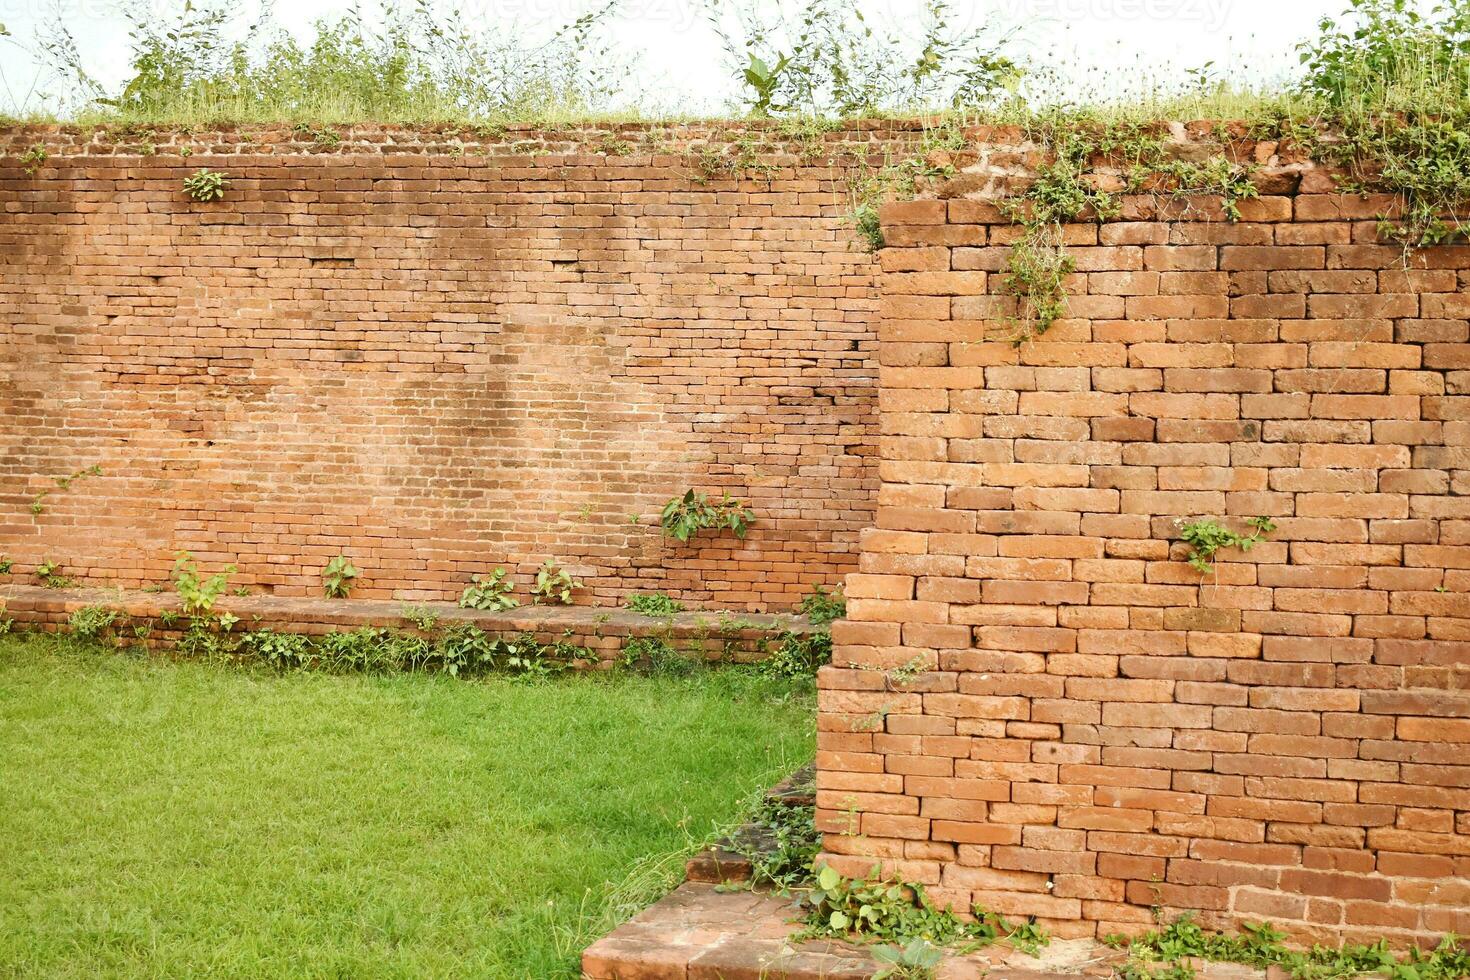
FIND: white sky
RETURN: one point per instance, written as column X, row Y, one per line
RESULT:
column 1098, row 44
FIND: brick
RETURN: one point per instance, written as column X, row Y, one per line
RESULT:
column 1272, row 257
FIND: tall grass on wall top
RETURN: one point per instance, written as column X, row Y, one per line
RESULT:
column 824, row 58
column 200, row 62
column 1396, row 84
column 1385, row 100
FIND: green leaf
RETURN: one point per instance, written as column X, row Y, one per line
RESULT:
column 828, row 879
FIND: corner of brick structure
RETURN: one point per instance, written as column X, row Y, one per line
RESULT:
column 1084, row 727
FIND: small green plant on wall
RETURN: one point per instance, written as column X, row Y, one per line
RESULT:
column 683, row 517
column 869, row 228
column 1206, row 537
column 554, row 585
column 339, row 577
column 206, row 185
column 49, row 574
column 38, row 502
column 654, row 604
column 197, row 593
column 89, row 622
column 822, row 607
column 491, row 591
column 33, row 159
column 5, row 565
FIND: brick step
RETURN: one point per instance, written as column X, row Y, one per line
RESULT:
column 743, row 637
column 702, row 932
column 729, row 859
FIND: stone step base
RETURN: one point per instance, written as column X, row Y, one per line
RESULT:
column 728, row 860
column 701, row 932
column 715, row 636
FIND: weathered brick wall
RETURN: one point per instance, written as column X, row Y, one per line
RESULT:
column 1087, row 727
column 437, row 352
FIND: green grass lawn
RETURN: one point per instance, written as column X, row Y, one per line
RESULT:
column 189, row 819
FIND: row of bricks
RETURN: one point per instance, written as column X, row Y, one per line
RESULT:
column 1021, row 844
column 1277, row 711
column 1319, row 201
column 1107, row 902
column 1430, row 368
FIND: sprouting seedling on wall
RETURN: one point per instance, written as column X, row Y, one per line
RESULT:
column 1206, row 537
column 554, row 585
column 198, row 594
column 49, row 573
column 339, row 577
column 206, row 185
column 33, row 159
column 683, row 517
column 38, row 502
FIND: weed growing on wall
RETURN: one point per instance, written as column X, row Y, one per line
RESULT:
column 34, row 159
column 1395, row 85
column 197, row 593
column 903, row 177
column 784, row 846
column 199, row 62
column 89, row 622
column 491, row 591
column 823, row 57
column 339, row 577
column 653, row 604
column 1166, row 954
column 1082, row 150
column 280, row 650
column 798, row 654
column 822, row 607
column 894, row 912
column 206, row 185
column 422, row 618
column 38, row 502
column 914, row 961
column 49, row 573
column 888, row 911
column 554, row 585
column 459, row 650
column 1206, row 537
column 657, row 656
column 683, row 517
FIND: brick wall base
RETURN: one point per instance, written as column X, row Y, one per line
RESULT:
column 601, row 632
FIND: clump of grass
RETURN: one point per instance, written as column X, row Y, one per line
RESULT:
column 653, row 604
column 1395, row 85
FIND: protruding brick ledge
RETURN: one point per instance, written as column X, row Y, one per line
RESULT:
column 741, row 637
column 700, row 932
column 613, row 142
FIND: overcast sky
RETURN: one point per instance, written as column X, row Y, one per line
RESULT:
column 1098, row 44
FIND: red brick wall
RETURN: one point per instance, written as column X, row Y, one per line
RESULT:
column 438, row 352
column 1095, row 728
